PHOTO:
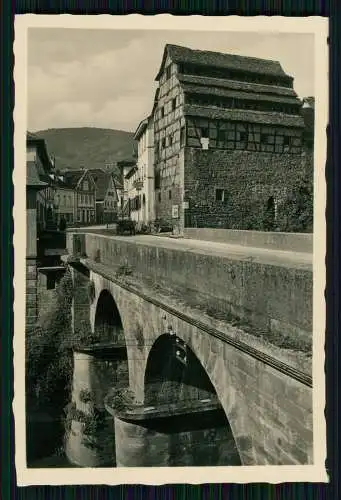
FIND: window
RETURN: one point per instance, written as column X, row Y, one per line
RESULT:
column 220, row 195
column 222, row 135
column 242, row 136
column 159, row 197
column 162, row 110
column 168, row 72
column 50, row 282
column 264, row 138
column 182, row 136
column 204, row 132
column 170, row 194
column 85, row 185
column 144, row 199
column 286, row 141
column 173, row 104
column 163, row 142
column 170, row 140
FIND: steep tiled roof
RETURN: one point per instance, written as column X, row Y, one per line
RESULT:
column 73, row 177
column 220, row 92
column 41, row 148
column 235, row 85
column 141, row 128
column 180, row 54
column 102, row 181
column 271, row 118
column 126, row 163
column 32, row 177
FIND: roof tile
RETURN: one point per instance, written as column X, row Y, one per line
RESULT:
column 271, row 118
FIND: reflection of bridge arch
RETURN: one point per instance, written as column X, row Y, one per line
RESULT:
column 174, row 375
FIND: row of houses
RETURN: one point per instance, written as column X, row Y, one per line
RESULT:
column 85, row 196
column 225, row 144
column 55, row 200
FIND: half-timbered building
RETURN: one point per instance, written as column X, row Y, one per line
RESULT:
column 227, row 140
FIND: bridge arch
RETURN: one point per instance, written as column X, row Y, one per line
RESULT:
column 174, row 375
column 108, row 323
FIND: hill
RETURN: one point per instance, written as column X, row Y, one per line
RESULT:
column 88, row 147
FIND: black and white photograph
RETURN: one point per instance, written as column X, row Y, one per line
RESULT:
column 169, row 249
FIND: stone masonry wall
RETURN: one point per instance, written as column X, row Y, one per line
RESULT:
column 271, row 297
column 270, row 413
column 249, row 179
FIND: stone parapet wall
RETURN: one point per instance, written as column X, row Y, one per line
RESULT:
column 267, row 296
column 292, row 242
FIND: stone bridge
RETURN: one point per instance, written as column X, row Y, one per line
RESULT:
column 216, row 343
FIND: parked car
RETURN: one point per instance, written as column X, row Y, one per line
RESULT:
column 125, row 225
column 163, row 226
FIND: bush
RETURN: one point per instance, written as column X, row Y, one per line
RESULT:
column 48, row 354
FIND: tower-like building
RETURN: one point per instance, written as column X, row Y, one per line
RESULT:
column 227, row 141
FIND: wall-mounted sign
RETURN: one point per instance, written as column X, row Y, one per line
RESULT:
column 175, row 211
column 185, row 205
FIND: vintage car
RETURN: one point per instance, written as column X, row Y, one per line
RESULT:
column 125, row 225
column 163, row 226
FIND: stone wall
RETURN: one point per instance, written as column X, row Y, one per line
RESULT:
column 293, row 242
column 81, row 301
column 270, row 413
column 267, row 296
column 249, row 180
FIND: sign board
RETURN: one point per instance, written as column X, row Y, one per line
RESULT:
column 175, row 211
column 185, row 205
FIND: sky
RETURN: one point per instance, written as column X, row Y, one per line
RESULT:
column 106, row 78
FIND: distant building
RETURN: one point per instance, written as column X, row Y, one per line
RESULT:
column 38, row 160
column 143, row 178
column 106, row 196
column 120, row 194
column 308, row 113
column 64, row 200
column 227, row 141
column 84, row 187
column 128, row 169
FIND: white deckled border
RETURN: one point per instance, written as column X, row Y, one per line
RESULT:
column 188, row 475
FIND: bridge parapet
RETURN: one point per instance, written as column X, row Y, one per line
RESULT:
column 273, row 298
